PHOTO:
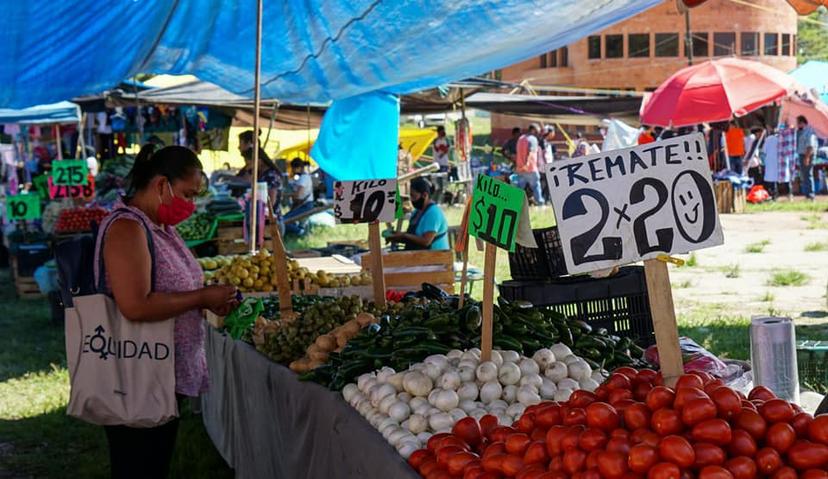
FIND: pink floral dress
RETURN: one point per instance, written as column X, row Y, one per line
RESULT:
column 176, row 270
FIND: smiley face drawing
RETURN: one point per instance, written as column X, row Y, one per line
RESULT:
column 694, row 207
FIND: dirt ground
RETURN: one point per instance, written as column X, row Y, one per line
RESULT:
column 737, row 281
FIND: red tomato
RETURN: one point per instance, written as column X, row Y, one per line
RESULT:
column 616, row 396
column 665, row 422
column 818, row 429
column 801, row 423
column 602, row 392
column 536, row 452
column 716, row 431
column 623, row 404
column 581, row 398
column 511, row 465
column 549, row 415
column 708, row 454
column 768, row 461
column 728, row 403
column 642, row 458
column 473, row 471
column 601, row 415
column 776, row 410
column 781, row 437
column 428, row 466
column 531, row 471
column 713, row 385
column 452, row 440
column 640, row 391
column 592, row 439
column 646, row 376
column 574, row 416
column 742, row 444
column 689, row 381
column 434, row 441
column 618, row 381
column 664, row 470
column 487, row 423
column 538, row 434
column 570, row 440
column 592, row 460
column 573, row 461
column 553, row 439
column 660, row 397
column 495, row 448
column 500, row 433
column 556, row 464
column 677, row 450
column 620, row 433
column 698, row 410
column 458, row 462
column 685, row 395
column 815, row 474
column 705, row 377
column 808, row 455
column 636, row 416
column 761, row 392
column 517, row 443
column 715, row 472
column 752, row 422
column 785, row 473
column 418, row 457
column 553, row 475
column 618, row 444
column 631, row 373
column 612, row 465
column 468, row 430
column 526, row 423
column 741, row 467
column 645, row 436
column 445, row 452
column 749, row 405
column 493, row 463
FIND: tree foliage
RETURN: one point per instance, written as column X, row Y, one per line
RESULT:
column 813, row 37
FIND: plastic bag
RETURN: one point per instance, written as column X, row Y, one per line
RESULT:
column 757, row 194
column 242, row 318
column 695, row 358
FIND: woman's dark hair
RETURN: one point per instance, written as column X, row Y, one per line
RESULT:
column 421, row 185
column 171, row 162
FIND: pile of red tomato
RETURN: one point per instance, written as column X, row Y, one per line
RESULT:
column 79, row 219
column 632, row 427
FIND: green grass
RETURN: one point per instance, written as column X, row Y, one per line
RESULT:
column 768, row 297
column 692, row 261
column 788, row 277
column 757, row 247
column 815, row 221
column 38, row 438
column 816, row 246
column 683, row 284
column 732, row 271
column 819, row 206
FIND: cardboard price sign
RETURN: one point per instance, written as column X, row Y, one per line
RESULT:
column 23, row 207
column 365, row 201
column 69, row 172
column 622, row 206
column 499, row 214
column 86, row 191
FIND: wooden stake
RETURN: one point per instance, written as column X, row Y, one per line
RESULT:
column 375, row 244
column 282, row 275
column 257, row 70
column 664, row 320
column 464, row 275
column 488, row 299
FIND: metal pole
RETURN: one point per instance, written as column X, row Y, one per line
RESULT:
column 139, row 117
column 254, row 207
column 688, row 40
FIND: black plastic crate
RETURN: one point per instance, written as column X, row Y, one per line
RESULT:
column 31, row 256
column 545, row 261
column 618, row 303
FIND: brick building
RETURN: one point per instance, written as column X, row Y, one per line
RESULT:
column 643, row 51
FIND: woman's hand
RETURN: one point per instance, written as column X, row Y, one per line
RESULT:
column 394, row 238
column 219, row 299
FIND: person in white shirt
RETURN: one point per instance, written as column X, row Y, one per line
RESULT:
column 441, row 147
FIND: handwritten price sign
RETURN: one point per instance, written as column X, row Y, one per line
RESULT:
column 622, row 206
column 498, row 210
column 23, row 207
column 86, row 191
column 365, row 201
column 69, row 172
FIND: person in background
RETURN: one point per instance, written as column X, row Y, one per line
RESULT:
column 735, row 147
column 646, row 135
column 427, row 228
column 509, row 148
column 162, row 185
column 770, row 161
column 753, row 146
column 268, row 172
column 546, row 155
column 404, row 162
column 92, row 165
column 300, row 188
column 526, row 164
column 441, row 147
column 806, row 147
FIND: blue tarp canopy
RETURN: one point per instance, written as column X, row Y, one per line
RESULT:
column 63, row 112
column 813, row 74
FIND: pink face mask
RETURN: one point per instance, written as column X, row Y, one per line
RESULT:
column 175, row 212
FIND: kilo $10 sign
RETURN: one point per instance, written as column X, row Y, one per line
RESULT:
column 365, row 201
column 621, row 206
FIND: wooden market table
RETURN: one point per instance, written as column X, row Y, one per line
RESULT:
column 266, row 423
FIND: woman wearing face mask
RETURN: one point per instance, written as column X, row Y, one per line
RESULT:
column 427, row 227
column 163, row 184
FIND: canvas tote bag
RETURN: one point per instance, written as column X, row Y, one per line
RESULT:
column 121, row 372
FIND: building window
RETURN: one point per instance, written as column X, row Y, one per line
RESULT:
column 542, row 59
column 666, row 44
column 771, row 44
column 594, row 47
column 786, row 44
column 615, row 46
column 724, row 44
column 701, row 47
column 750, row 44
column 639, row 45
column 564, row 57
column 793, row 45
column 553, row 59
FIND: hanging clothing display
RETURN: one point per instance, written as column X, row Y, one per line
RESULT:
column 787, row 154
column 770, row 156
